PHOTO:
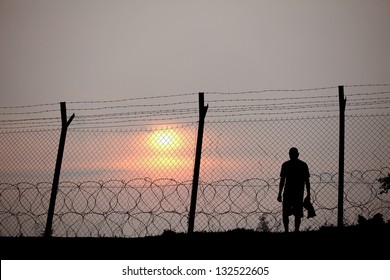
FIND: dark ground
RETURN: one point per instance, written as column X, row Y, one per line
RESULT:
column 354, row 243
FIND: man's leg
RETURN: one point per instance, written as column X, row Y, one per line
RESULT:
column 285, row 222
column 297, row 222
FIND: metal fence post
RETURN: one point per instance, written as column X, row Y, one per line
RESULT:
column 202, row 115
column 342, row 104
column 61, row 146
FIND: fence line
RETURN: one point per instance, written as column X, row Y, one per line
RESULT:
column 246, row 138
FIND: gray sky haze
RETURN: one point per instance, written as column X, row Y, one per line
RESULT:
column 56, row 50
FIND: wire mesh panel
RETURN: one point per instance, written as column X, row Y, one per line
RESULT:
column 27, row 162
column 28, row 156
column 150, row 171
column 242, row 157
column 125, row 172
column 242, row 161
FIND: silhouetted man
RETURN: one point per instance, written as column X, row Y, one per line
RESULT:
column 294, row 175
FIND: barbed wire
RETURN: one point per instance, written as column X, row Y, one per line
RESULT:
column 51, row 124
column 369, row 85
column 241, row 107
column 192, row 94
column 136, row 98
column 272, row 91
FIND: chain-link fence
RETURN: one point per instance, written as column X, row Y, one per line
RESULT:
column 128, row 165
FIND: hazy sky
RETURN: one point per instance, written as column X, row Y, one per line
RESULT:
column 71, row 50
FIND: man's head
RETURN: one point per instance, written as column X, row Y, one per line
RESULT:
column 293, row 153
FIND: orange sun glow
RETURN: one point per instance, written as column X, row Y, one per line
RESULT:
column 164, row 139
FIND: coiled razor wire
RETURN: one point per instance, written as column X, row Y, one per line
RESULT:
column 143, row 207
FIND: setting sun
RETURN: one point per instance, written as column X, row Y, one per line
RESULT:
column 167, row 151
column 164, row 139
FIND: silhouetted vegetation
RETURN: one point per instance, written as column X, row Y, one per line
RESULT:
column 385, row 184
column 263, row 225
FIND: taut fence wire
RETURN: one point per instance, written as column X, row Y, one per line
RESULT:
column 128, row 164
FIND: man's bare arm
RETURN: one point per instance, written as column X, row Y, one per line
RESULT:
column 307, row 183
column 281, row 185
